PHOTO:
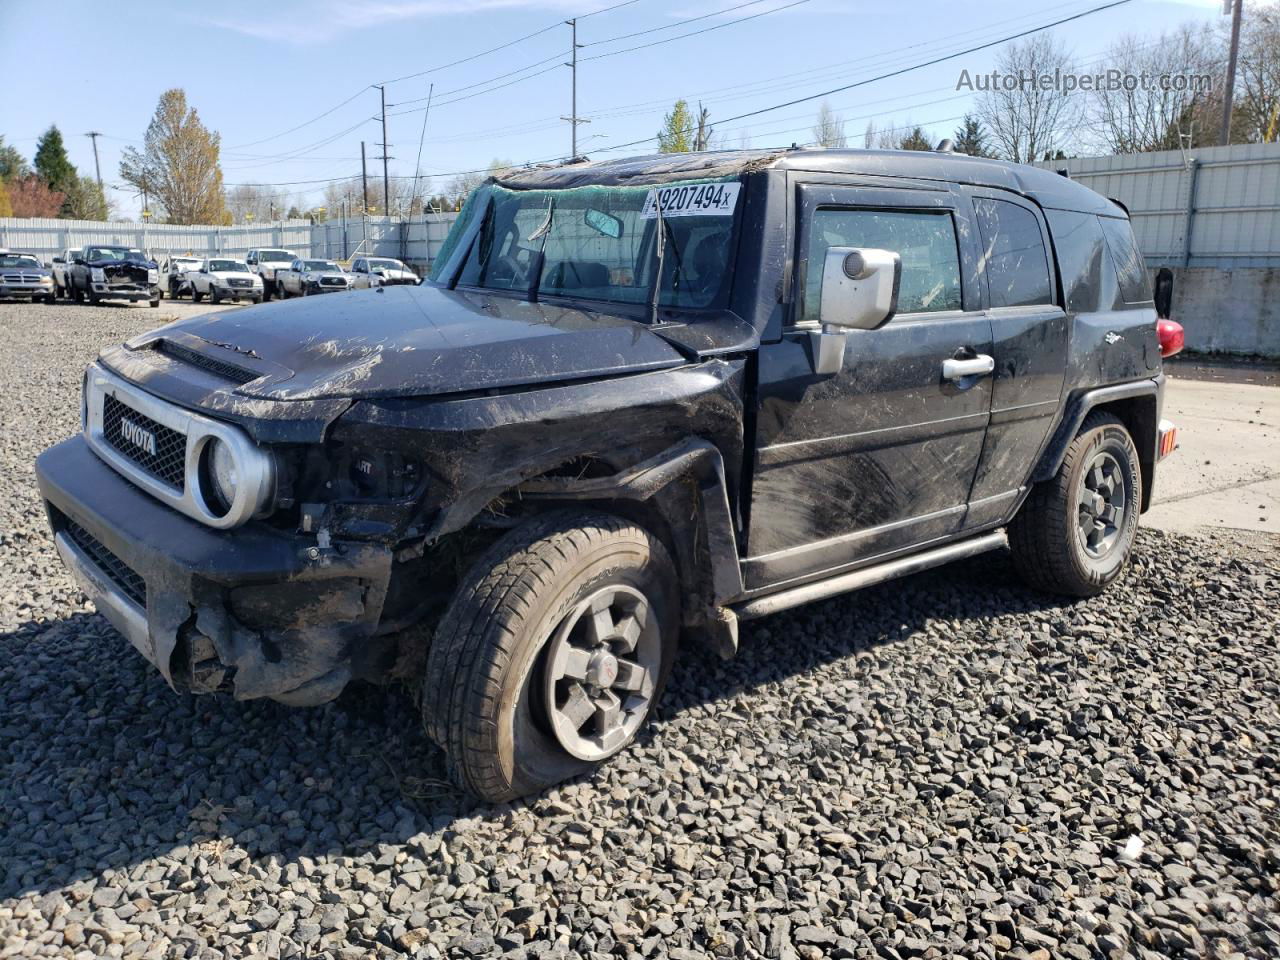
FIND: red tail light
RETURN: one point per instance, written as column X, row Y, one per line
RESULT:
column 1172, row 340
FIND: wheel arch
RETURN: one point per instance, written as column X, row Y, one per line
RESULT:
column 1136, row 405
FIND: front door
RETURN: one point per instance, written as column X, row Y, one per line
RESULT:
column 879, row 457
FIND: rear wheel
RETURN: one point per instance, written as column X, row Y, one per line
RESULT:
column 553, row 653
column 77, row 295
column 1076, row 531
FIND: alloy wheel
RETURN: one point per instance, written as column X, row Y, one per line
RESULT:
column 601, row 669
column 1100, row 505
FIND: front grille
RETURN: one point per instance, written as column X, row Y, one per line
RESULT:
column 22, row 278
column 170, row 457
column 237, row 282
column 332, row 282
column 228, row 371
column 116, row 570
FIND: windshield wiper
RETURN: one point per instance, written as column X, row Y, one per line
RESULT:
column 538, row 260
column 662, row 232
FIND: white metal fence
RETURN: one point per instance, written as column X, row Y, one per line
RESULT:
column 415, row 239
column 1210, row 207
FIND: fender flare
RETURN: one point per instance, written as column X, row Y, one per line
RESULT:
column 1079, row 406
column 713, row 527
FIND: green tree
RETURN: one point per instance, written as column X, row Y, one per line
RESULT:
column 84, row 201
column 294, row 213
column 970, row 138
column 677, row 133
column 178, row 168
column 51, row 161
column 12, row 164
column 915, row 140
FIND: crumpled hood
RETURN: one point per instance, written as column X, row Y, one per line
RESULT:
column 414, row 341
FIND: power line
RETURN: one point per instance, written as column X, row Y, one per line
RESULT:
column 860, row 83
column 675, row 24
column 694, row 33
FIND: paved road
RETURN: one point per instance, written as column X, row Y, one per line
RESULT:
column 1226, row 470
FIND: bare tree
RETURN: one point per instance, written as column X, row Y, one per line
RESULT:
column 1257, row 96
column 1152, row 113
column 869, row 135
column 247, row 202
column 1029, row 119
column 460, row 187
column 346, row 195
column 828, row 129
column 702, row 130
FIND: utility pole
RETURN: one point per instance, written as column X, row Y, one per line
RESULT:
column 1236, row 12
column 93, row 135
column 573, row 118
column 364, row 181
column 386, row 183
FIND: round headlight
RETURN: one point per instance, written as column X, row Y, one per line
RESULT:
column 224, row 474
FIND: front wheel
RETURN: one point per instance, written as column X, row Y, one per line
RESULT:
column 1075, row 532
column 553, row 653
column 196, row 295
column 214, row 296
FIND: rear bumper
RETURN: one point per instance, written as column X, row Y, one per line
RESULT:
column 255, row 610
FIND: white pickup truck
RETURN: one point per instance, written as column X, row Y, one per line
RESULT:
column 222, row 278
column 265, row 263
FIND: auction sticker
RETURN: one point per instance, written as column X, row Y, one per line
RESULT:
column 692, row 200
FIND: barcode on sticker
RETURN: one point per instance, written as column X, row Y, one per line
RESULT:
column 692, row 200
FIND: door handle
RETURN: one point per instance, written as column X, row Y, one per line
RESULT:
column 979, row 366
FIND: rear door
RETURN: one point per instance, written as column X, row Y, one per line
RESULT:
column 880, row 457
column 1029, row 344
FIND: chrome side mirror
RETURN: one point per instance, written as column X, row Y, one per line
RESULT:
column 859, row 292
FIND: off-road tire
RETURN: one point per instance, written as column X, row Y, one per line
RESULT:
column 480, row 695
column 1044, row 537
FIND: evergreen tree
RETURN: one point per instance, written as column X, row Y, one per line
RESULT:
column 677, row 133
column 915, row 140
column 970, row 138
column 52, row 163
column 12, row 163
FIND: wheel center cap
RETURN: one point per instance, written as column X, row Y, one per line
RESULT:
column 604, row 669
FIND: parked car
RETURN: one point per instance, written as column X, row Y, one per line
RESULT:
column 221, row 278
column 24, row 277
column 379, row 272
column 307, row 277
column 60, row 268
column 634, row 399
column 265, row 263
column 111, row 272
column 173, row 275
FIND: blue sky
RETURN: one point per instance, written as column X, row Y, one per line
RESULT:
column 255, row 70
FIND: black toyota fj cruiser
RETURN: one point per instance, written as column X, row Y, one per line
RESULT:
column 634, row 399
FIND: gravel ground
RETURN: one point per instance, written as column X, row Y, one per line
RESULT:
column 949, row 765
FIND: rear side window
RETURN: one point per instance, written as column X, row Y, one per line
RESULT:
column 1131, row 271
column 926, row 241
column 1013, row 254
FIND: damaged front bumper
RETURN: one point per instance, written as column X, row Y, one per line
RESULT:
column 258, row 611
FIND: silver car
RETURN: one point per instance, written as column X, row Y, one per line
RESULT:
column 379, row 272
column 307, row 277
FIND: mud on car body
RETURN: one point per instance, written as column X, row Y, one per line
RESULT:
column 635, row 400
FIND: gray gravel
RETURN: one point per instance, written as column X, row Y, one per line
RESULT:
column 950, row 765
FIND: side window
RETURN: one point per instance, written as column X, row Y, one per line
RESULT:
column 1131, row 271
column 926, row 241
column 358, row 267
column 1078, row 240
column 1013, row 254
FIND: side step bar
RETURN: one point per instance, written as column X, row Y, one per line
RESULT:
column 821, row 589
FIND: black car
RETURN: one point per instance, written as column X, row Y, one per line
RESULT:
column 111, row 272
column 24, row 277
column 634, row 399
